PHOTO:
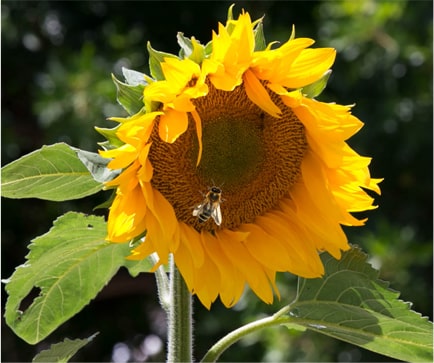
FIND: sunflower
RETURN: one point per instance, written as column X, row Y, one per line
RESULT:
column 235, row 119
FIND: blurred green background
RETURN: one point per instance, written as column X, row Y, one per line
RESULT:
column 57, row 58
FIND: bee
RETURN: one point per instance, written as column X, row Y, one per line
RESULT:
column 210, row 207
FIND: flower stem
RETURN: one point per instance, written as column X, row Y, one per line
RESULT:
column 217, row 349
column 179, row 346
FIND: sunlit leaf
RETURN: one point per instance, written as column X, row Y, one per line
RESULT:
column 65, row 270
column 53, row 172
column 350, row 303
column 63, row 351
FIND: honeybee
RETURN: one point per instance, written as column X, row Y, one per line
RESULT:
column 210, row 207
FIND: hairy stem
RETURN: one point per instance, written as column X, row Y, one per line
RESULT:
column 179, row 346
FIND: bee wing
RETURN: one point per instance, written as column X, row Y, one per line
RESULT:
column 198, row 209
column 216, row 214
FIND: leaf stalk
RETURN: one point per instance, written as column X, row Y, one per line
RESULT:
column 217, row 349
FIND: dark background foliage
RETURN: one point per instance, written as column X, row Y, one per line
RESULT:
column 56, row 86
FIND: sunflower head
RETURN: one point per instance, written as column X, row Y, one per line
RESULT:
column 230, row 163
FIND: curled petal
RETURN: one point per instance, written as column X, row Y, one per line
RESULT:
column 257, row 93
column 172, row 124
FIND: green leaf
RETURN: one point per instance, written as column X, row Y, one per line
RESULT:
column 53, row 173
column 65, row 270
column 350, row 303
column 155, row 59
column 97, row 166
column 129, row 97
column 315, row 89
column 63, row 351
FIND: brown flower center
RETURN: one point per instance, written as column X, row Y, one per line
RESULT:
column 251, row 156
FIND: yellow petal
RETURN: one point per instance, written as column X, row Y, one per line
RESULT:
column 166, row 223
column 161, row 91
column 185, row 264
column 243, row 32
column 317, row 186
column 123, row 156
column 328, row 234
column 126, row 217
column 191, row 238
column 198, row 123
column 252, row 271
column 127, row 180
column 309, row 66
column 303, row 256
column 265, row 248
column 258, row 95
column 142, row 251
column 273, row 65
column 172, row 124
column 229, row 292
column 179, row 72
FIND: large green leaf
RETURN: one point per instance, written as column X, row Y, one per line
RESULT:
column 65, row 269
column 53, row 173
column 63, row 351
column 350, row 303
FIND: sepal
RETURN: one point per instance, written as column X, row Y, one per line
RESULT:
column 260, row 43
column 112, row 141
column 208, row 49
column 315, row 89
column 191, row 48
column 155, row 59
column 134, row 78
column 130, row 97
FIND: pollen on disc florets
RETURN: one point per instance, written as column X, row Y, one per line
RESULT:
column 253, row 157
